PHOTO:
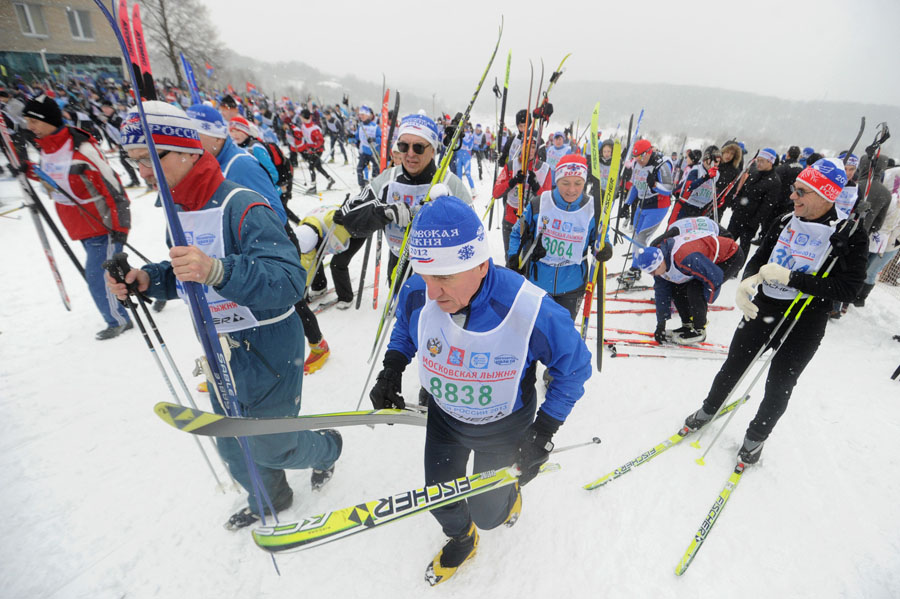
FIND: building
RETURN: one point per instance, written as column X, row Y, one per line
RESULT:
column 59, row 37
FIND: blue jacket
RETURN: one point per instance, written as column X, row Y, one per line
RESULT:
column 262, row 156
column 244, row 169
column 363, row 132
column 555, row 280
column 554, row 342
column 263, row 273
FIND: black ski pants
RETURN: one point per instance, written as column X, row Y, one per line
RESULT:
column 340, row 271
column 315, row 164
column 787, row 365
column 690, row 297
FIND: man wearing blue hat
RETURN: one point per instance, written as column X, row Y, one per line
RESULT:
column 759, row 197
column 791, row 259
column 368, row 135
column 478, row 331
column 392, row 198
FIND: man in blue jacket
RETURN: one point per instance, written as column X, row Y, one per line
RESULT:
column 240, row 251
column 479, row 331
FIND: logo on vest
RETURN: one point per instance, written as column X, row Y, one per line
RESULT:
column 205, row 239
column 434, row 346
column 479, row 360
column 567, row 227
column 505, row 359
column 456, row 356
column 802, row 239
column 556, row 223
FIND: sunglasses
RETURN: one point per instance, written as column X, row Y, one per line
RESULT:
column 146, row 162
column 404, row 146
column 801, row 192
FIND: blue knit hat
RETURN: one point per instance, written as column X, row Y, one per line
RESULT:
column 208, row 121
column 446, row 238
column 852, row 160
column 806, row 153
column 420, row 126
column 768, row 154
column 648, row 259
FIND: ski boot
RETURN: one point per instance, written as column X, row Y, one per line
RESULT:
column 330, row 184
column 318, row 354
column 697, row 420
column 241, row 519
column 692, row 336
column 630, row 277
column 516, row 510
column 750, row 451
column 319, row 478
column 454, row 554
column 113, row 331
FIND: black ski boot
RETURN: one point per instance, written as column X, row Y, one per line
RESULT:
column 697, row 420
column 319, row 478
column 750, row 451
column 241, row 519
column 114, row 331
column 330, row 184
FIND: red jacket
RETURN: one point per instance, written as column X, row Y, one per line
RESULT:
column 72, row 158
column 308, row 138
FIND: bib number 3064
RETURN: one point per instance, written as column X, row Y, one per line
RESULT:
column 464, row 394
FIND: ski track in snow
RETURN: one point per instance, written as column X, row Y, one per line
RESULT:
column 111, row 502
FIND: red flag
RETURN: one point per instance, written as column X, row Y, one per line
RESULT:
column 251, row 88
column 209, row 70
column 231, row 90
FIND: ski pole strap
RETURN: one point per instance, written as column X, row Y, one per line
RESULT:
column 117, row 268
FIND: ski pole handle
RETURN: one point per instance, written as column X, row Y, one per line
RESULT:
column 594, row 441
column 118, row 267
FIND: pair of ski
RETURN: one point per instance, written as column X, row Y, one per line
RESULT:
column 721, row 499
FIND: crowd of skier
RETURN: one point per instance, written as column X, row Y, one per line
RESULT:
column 777, row 220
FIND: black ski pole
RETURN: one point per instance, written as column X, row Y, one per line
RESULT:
column 362, row 274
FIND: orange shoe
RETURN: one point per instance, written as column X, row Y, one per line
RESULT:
column 318, row 353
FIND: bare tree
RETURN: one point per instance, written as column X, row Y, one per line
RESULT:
column 181, row 26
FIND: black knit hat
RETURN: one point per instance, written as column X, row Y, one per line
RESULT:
column 44, row 108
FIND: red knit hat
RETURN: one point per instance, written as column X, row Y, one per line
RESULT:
column 641, row 146
column 239, row 123
column 571, row 165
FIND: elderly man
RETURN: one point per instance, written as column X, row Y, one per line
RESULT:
column 790, row 259
column 479, row 331
column 393, row 197
column 241, row 252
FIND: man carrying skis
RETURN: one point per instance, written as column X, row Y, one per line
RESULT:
column 792, row 253
column 102, row 218
column 479, row 332
column 253, row 277
column 537, row 180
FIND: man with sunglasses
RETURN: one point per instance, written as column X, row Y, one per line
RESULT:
column 102, row 218
column 392, row 199
column 791, row 259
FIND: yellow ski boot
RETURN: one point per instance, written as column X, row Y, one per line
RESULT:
column 454, row 554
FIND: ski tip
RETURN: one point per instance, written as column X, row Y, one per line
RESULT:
column 700, row 461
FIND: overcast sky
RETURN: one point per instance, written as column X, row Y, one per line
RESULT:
column 799, row 50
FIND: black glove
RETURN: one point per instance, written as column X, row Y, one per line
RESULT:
column 604, row 253
column 386, row 392
column 119, row 237
column 539, row 250
column 544, row 111
column 660, row 333
column 517, row 180
column 533, row 182
column 512, row 263
column 535, row 446
column 840, row 242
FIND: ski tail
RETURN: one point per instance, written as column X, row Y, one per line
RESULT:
column 148, row 87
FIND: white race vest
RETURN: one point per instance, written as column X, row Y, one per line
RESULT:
column 563, row 232
column 512, row 196
column 474, row 377
column 696, row 224
column 554, row 154
column 57, row 166
column 706, row 193
column 801, row 247
column 673, row 274
column 639, row 181
column 846, row 201
column 203, row 230
column 335, row 245
column 402, row 193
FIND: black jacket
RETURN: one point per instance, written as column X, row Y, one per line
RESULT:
column 758, row 198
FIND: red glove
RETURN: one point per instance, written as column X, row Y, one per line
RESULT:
column 712, row 172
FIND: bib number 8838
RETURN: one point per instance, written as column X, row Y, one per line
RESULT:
column 454, row 393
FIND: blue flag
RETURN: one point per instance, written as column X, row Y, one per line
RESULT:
column 192, row 83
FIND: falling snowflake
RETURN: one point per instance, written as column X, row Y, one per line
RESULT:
column 466, row 252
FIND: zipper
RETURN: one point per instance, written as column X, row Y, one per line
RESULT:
column 265, row 362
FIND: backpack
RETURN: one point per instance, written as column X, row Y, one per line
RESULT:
column 283, row 166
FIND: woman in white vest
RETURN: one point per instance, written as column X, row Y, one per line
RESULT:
column 240, row 251
column 478, row 332
column 790, row 256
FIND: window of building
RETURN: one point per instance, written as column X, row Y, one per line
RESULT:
column 31, row 19
column 80, row 24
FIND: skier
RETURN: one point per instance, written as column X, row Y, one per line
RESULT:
column 479, row 145
column 463, row 158
column 254, row 278
column 784, row 265
column 102, row 218
column 319, row 233
column 368, row 135
column 698, row 191
column 391, row 200
column 730, row 166
column 559, row 149
column 651, row 188
column 560, row 229
column 241, row 134
column 689, row 270
column 757, row 199
column 469, row 320
column 538, row 179
column 111, row 129
column 334, row 126
column 311, row 147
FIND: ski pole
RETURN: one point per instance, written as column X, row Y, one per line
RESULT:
column 362, row 275
column 118, row 267
column 594, row 441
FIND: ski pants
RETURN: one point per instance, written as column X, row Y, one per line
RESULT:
column 337, row 140
column 315, row 164
column 340, row 271
column 876, row 264
column 743, row 227
column 479, row 156
column 464, row 166
column 365, row 159
column 447, row 450
column 570, row 300
column 272, row 453
column 786, row 366
column 100, row 249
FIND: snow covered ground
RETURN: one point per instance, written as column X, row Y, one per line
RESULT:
column 103, row 500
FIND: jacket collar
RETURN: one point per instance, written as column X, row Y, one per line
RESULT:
column 196, row 189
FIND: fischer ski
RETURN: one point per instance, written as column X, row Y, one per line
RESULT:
column 332, row 526
column 710, row 520
column 198, row 422
column 654, row 451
